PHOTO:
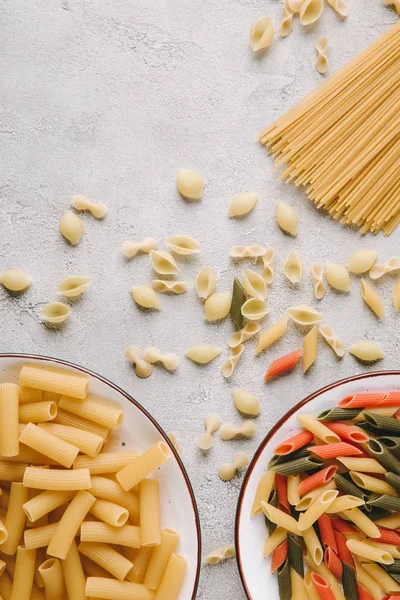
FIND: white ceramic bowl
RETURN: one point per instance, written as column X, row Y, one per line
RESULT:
column 255, row 571
column 139, row 430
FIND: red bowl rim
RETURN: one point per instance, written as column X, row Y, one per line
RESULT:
column 265, row 441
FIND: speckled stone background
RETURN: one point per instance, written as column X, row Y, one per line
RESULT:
column 109, row 99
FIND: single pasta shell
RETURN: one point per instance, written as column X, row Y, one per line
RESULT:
column 72, row 286
column 310, row 11
column 55, row 312
column 145, row 296
column 163, row 262
column 189, row 184
column 322, row 64
column 286, row 217
column 202, row 353
column 393, row 264
column 71, row 226
column 337, row 276
column 295, row 5
column 261, row 34
column 254, row 309
column 366, row 350
column 173, row 287
column 242, row 204
column 340, row 7
column 254, row 284
column 317, row 274
column 218, row 555
column 246, row 402
column 15, row 280
column 182, row 244
column 205, row 282
column 293, row 268
column 330, row 337
column 304, row 315
column 286, row 26
column 217, row 306
column 361, row 261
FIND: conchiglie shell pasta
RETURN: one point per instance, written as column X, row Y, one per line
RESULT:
column 246, row 402
column 242, row 204
column 330, row 337
column 145, row 296
column 322, row 63
column 340, row 7
column 268, row 261
column 261, row 34
column 71, row 226
column 230, row 365
column 239, row 337
column 72, row 286
column 304, row 315
column 254, row 309
column 172, row 287
column 317, row 274
column 163, row 262
column 254, row 284
column 372, row 299
column 189, row 184
column 218, row 555
column 393, row 264
column 253, row 251
column 367, row 350
column 286, row 217
column 182, row 244
column 287, row 20
column 202, row 353
column 295, row 5
column 217, row 306
column 293, row 268
column 15, row 280
column 310, row 11
column 337, row 276
column 205, row 282
column 362, row 261
column 55, row 312
column 396, row 296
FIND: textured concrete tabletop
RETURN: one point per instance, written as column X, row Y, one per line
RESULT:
column 110, row 99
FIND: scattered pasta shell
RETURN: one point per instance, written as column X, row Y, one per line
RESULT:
column 293, row 268
column 295, row 5
column 80, row 202
column 286, row 217
column 15, row 280
column 337, row 276
column 189, row 184
column 182, row 244
column 268, row 261
column 261, row 34
column 396, row 296
column 217, row 306
column 330, row 337
column 71, row 226
column 172, row 287
column 362, row 261
column 254, row 309
column 242, row 204
column 131, row 249
column 367, row 351
column 72, row 286
column 322, row 63
column 340, row 7
column 145, row 296
column 304, row 315
column 239, row 337
column 372, row 299
column 205, row 282
column 254, row 284
column 272, row 334
column 221, row 554
column 287, row 20
column 253, row 251
column 231, row 363
column 393, row 264
column 202, row 353
column 310, row 11
column 317, row 274
column 55, row 312
column 163, row 262
column 246, row 402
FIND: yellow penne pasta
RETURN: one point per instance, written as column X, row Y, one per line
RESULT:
column 263, row 492
column 274, row 540
column 37, row 412
column 318, row 429
column 280, row 518
column 143, row 465
column 15, row 517
column 293, row 482
column 365, row 579
column 345, row 502
column 297, row 585
column 112, row 589
column 317, row 508
column 9, row 431
column 49, row 445
column 309, row 498
column 127, row 535
column 369, row 552
column 362, row 521
column 58, row 381
column 174, row 575
column 106, row 462
column 387, row 583
column 393, row 550
column 313, row 544
column 24, row 574
column 160, row 557
column 372, row 484
column 108, row 558
column 88, row 443
column 110, row 490
column 323, row 570
column 94, row 409
column 55, row 479
column 361, row 465
column 391, row 522
column 150, row 522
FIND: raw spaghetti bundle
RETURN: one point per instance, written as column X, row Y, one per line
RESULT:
column 342, row 142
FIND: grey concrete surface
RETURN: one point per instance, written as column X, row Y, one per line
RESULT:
column 109, row 99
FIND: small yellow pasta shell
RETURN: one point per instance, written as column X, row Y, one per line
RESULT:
column 246, row 402
column 145, row 296
column 337, row 276
column 317, row 273
column 217, row 556
column 254, row 309
column 254, row 284
column 15, row 280
column 55, row 312
column 322, row 59
column 393, row 264
column 295, row 5
column 71, row 226
column 310, row 11
column 304, row 315
column 287, row 20
column 217, row 306
column 172, row 287
column 189, row 184
column 202, row 353
column 330, row 337
column 367, row 350
column 372, row 299
column 242, row 204
column 163, row 262
column 261, row 34
column 340, row 7
column 293, row 268
column 286, row 217
column 205, row 282
column 72, row 286
column 361, row 261
column 182, row 244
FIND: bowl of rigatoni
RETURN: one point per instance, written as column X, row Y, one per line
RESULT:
column 318, row 515
column 94, row 498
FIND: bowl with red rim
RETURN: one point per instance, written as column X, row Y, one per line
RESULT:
column 250, row 532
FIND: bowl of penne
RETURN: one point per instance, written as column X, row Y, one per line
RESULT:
column 318, row 516
column 94, row 499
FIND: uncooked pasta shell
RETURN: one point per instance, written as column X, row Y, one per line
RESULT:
column 254, row 284
column 202, row 353
column 340, row 7
column 72, row 286
column 330, row 337
column 239, row 337
column 304, row 315
column 268, row 260
column 189, row 184
column 55, row 312
column 295, row 5
column 322, row 60
column 367, row 350
column 182, row 244
column 337, row 276
column 261, row 34
column 231, row 363
column 205, row 282
column 361, row 261
column 242, row 204
column 217, row 306
column 15, row 280
column 393, row 264
column 71, row 226
column 172, row 287
column 286, row 217
column 163, row 262
column 218, row 555
column 293, row 268
column 317, row 274
column 254, row 309
column 246, row 402
column 310, row 11
column 145, row 296
column 253, row 251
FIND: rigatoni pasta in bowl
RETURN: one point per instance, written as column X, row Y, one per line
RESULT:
column 94, row 500
column 320, row 504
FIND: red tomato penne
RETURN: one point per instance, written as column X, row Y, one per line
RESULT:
column 322, row 586
column 281, row 490
column 326, row 451
column 363, row 593
column 343, row 552
column 279, row 555
column 391, row 399
column 388, row 536
column 316, row 480
column 348, row 432
column 342, row 526
column 294, row 443
column 333, row 563
column 326, row 532
column 282, row 364
column 362, row 400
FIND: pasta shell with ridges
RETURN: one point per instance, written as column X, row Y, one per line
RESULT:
column 72, row 286
column 268, row 261
column 330, row 337
column 340, row 7
column 253, row 251
column 239, row 337
column 246, row 402
column 393, row 264
column 286, row 25
column 217, row 556
column 317, row 274
column 172, row 287
column 231, row 363
column 182, row 244
column 71, row 227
